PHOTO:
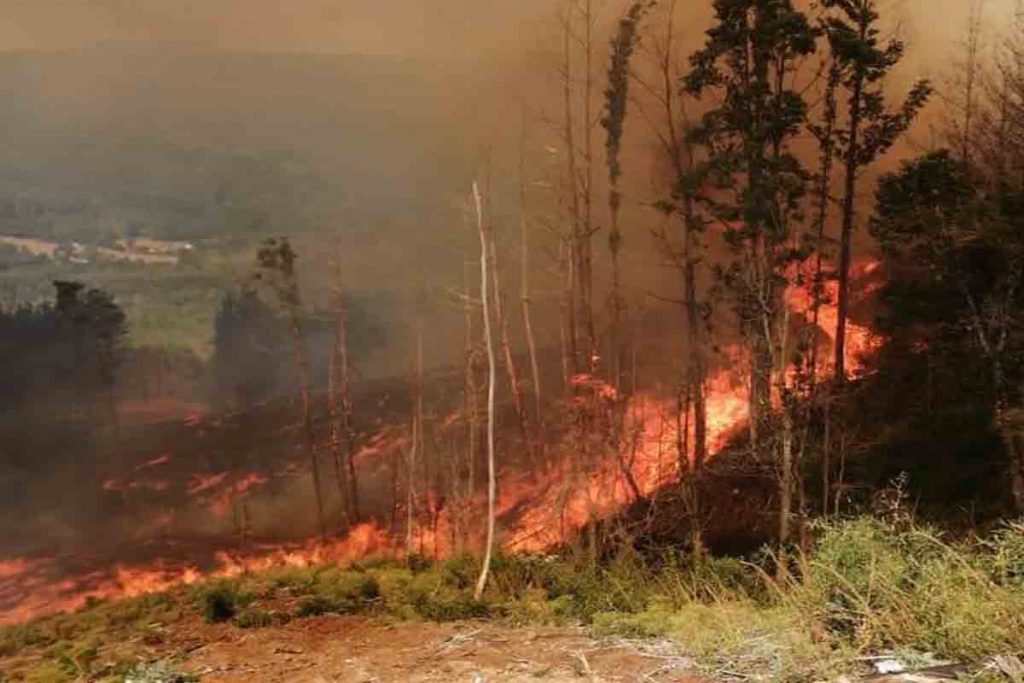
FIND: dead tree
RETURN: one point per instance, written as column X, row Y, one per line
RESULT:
column 524, row 286
column 276, row 260
column 416, row 440
column 824, row 132
column 572, row 239
column 670, row 123
column 511, row 370
column 463, row 488
column 491, row 382
column 588, row 229
column 340, row 405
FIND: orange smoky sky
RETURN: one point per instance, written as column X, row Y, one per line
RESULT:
column 451, row 28
column 393, row 27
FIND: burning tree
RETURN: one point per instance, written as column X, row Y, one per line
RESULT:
column 755, row 185
column 673, row 128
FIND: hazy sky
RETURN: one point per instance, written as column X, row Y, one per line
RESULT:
column 373, row 26
column 463, row 28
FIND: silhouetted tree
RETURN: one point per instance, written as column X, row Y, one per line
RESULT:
column 871, row 127
column 248, row 343
column 276, row 263
column 954, row 259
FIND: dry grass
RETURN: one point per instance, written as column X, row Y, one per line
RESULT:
column 865, row 589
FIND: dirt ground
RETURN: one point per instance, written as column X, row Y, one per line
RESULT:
column 364, row 651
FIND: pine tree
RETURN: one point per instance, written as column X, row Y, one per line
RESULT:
column 755, row 185
column 871, row 127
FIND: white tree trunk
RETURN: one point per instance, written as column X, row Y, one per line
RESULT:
column 491, row 381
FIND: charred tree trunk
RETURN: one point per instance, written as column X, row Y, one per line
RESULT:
column 416, row 446
column 302, row 363
column 511, row 369
column 464, row 488
column 852, row 164
column 586, row 271
column 524, row 289
column 340, row 412
column 348, row 426
column 573, row 242
column 680, row 153
column 334, row 417
column 826, row 135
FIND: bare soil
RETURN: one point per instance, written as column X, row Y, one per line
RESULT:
column 361, row 650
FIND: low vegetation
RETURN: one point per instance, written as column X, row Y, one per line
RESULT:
column 866, row 588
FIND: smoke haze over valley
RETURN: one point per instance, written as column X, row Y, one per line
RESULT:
column 619, row 284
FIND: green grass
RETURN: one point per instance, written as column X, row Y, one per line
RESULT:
column 864, row 589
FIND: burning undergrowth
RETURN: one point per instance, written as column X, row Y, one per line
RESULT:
column 222, row 495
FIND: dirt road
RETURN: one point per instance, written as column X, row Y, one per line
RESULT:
column 330, row 649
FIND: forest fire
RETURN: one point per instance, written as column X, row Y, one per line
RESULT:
column 38, row 587
column 537, row 509
column 617, row 314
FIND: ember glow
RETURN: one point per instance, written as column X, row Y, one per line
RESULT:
column 38, row 591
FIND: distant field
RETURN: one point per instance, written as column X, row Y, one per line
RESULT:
column 36, row 247
column 169, row 304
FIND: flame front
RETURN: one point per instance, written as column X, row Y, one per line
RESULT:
column 536, row 510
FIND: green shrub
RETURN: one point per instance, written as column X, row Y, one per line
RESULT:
column 461, row 571
column 1007, row 548
column 418, row 563
column 255, row 618
column 316, row 606
column 453, row 609
column 221, row 601
column 875, row 588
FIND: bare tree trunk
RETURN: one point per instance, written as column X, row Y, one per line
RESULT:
column 471, row 404
column 567, row 320
column 339, row 408
column 491, row 381
column 348, row 426
column 680, row 153
column 573, row 241
column 506, row 346
column 852, row 164
column 827, row 143
column 302, row 363
column 524, row 287
column 616, row 302
column 696, row 370
column 1013, row 448
column 786, row 464
column 587, row 255
column 340, row 473
column 970, row 77
column 826, row 458
column 411, row 501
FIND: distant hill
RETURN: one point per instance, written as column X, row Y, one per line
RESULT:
column 120, row 141
column 174, row 142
